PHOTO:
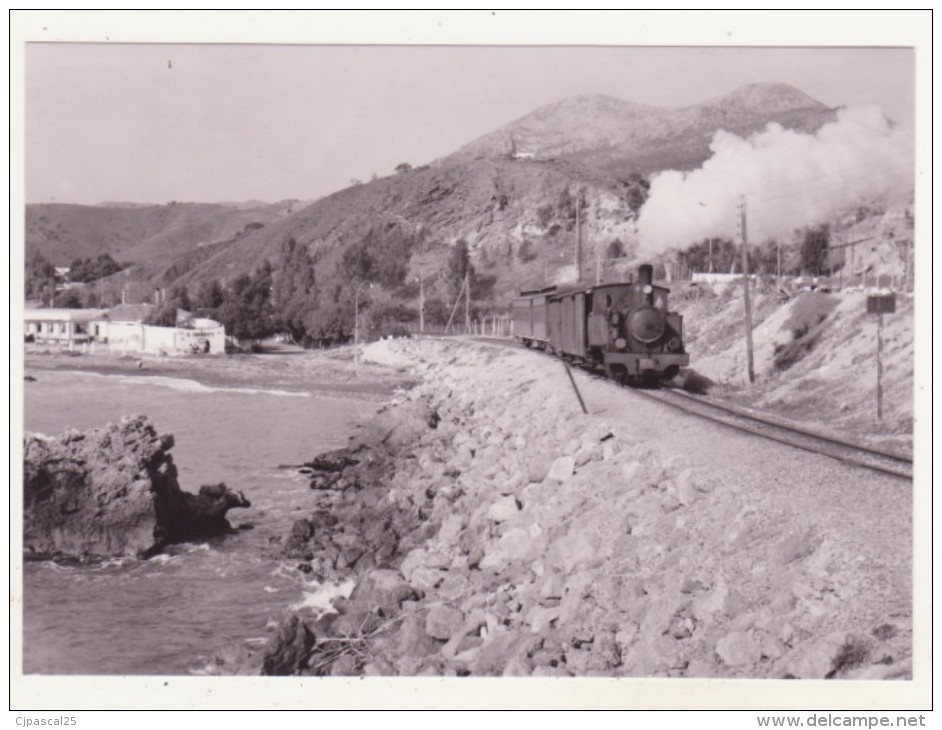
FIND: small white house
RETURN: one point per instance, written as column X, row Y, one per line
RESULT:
column 62, row 326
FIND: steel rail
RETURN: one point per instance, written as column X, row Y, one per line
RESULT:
column 659, row 397
column 795, row 428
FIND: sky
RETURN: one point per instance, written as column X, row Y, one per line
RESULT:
column 153, row 122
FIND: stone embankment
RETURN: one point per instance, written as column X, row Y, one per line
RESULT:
column 113, row 492
column 490, row 528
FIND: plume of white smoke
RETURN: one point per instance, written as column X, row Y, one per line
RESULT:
column 789, row 179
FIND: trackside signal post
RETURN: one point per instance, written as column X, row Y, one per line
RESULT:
column 880, row 304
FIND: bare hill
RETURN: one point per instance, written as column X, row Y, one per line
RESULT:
column 624, row 136
column 134, row 234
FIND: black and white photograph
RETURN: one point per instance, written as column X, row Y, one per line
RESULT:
column 344, row 356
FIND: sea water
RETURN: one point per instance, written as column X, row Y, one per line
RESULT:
column 172, row 614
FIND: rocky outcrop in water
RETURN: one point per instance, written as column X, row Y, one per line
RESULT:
column 113, row 491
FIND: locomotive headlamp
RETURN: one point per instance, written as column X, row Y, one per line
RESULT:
column 648, row 289
column 673, row 344
column 621, row 343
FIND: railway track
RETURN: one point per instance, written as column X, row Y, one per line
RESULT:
column 773, row 429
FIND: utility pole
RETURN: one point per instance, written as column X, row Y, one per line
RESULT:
column 421, row 300
column 467, row 303
column 880, row 366
column 910, row 272
column 578, row 241
column 745, row 283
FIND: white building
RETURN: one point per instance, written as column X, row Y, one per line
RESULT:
column 62, row 326
column 122, row 329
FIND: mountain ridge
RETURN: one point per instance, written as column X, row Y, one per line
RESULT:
column 641, row 137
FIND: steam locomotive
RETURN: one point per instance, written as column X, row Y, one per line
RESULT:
column 625, row 328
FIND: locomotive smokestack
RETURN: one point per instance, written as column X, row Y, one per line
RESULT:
column 646, row 279
column 645, row 274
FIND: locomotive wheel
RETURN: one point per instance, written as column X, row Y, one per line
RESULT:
column 650, row 380
column 618, row 373
column 670, row 372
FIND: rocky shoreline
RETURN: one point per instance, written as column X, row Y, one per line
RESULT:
column 482, row 525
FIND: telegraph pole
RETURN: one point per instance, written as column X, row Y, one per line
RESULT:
column 745, row 282
column 467, row 303
column 421, row 300
column 578, row 241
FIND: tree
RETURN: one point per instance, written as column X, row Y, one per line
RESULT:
column 247, row 310
column 331, row 320
column 166, row 314
column 711, row 254
column 293, row 294
column 459, row 266
column 68, row 299
column 179, row 294
column 615, row 249
column 381, row 256
column 436, row 311
column 40, row 278
column 637, row 188
column 403, row 167
column 87, row 270
column 209, row 297
column 163, row 316
column 814, row 249
column 525, row 251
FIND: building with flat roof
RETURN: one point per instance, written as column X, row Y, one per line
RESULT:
column 62, row 326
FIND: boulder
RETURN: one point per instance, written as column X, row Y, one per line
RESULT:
column 412, row 640
column 196, row 516
column 738, row 649
column 577, row 547
column 562, row 469
column 289, row 649
column 415, row 559
column 443, row 622
column 515, row 544
column 113, row 492
column 503, row 509
column 397, row 426
column 384, row 589
column 828, row 655
column 331, row 461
